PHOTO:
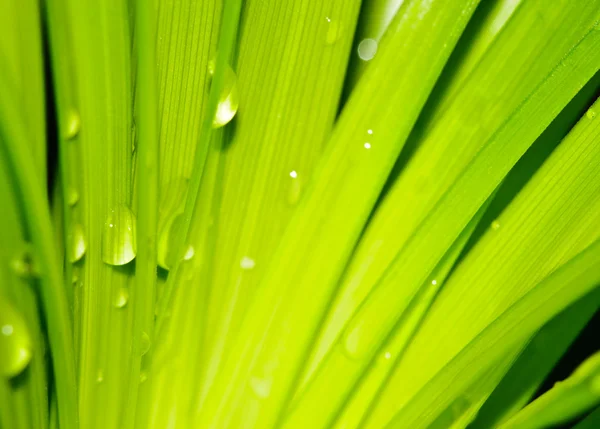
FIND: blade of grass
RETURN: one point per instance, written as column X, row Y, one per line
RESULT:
column 566, row 400
column 441, row 221
column 535, row 363
column 590, row 422
column 297, row 285
column 296, row 55
column 572, row 281
column 551, row 213
column 33, row 203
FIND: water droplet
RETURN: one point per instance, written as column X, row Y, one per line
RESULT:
column 100, row 376
column 15, row 342
column 353, row 339
column 434, row 282
column 145, row 344
column 122, row 298
column 387, row 355
column 295, row 188
column 119, row 238
column 591, row 113
column 367, row 49
column 228, row 99
column 247, row 263
column 261, row 386
column 73, row 125
column 367, row 145
column 72, row 197
column 143, row 377
column 24, row 264
column 167, row 242
column 78, row 245
column 370, row 132
column 495, row 225
column 334, row 31
column 189, row 253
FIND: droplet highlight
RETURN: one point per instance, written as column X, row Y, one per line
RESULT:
column 15, row 340
column 189, row 253
column 77, row 243
column 119, row 237
column 367, row 49
column 294, row 189
column 495, row 225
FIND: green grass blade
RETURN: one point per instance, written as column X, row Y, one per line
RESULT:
column 590, row 422
column 302, row 274
column 566, row 400
column 535, row 363
column 36, row 213
column 528, row 226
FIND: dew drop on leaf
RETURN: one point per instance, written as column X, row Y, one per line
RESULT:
column 100, row 376
column 333, row 32
column 118, row 239
column 247, row 263
column 367, row 49
column 73, row 125
column 228, row 99
column 72, row 197
column 495, row 225
column 189, row 253
column 145, row 344
column 15, row 341
column 591, row 113
column 261, row 386
column 167, row 241
column 294, row 189
column 24, row 263
column 77, row 243
column 122, row 298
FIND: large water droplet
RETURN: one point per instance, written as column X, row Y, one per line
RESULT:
column 145, row 344
column 15, row 341
column 78, row 245
column 367, row 49
column 261, row 386
column 334, row 31
column 72, row 197
column 228, row 99
column 73, row 125
column 122, row 298
column 119, row 239
column 167, row 242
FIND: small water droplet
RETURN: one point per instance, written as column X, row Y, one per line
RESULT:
column 143, row 377
column 247, row 263
column 24, row 264
column 334, row 31
column 100, row 376
column 367, row 145
column 353, row 339
column 167, row 242
column 228, row 99
column 387, row 355
column 73, row 125
column 591, row 113
column 119, row 237
column 72, row 197
column 145, row 344
column 15, row 341
column 78, row 244
column 295, row 188
column 122, row 298
column 367, row 49
column 261, row 386
column 434, row 282
column 495, row 225
column 189, row 253
column 370, row 132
